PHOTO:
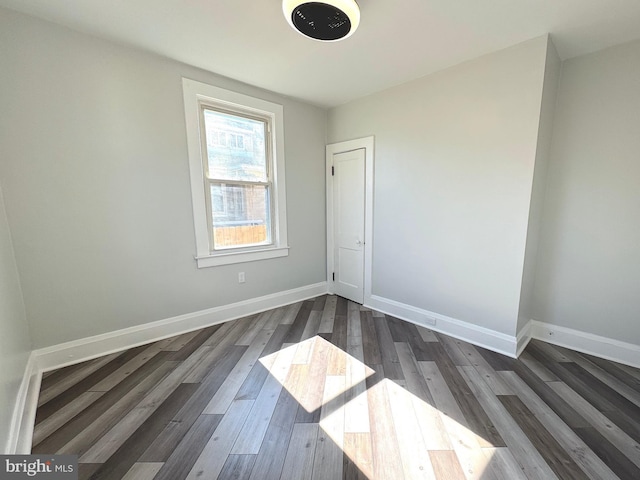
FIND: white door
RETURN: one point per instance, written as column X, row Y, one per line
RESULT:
column 348, row 224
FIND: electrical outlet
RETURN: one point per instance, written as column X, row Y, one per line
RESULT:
column 429, row 320
column 241, row 277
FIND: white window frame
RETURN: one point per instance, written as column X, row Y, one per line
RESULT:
column 196, row 94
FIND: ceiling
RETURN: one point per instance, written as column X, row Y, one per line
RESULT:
column 250, row 40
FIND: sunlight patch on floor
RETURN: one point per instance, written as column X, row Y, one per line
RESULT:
column 385, row 430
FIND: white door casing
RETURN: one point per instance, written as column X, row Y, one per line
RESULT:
column 349, row 218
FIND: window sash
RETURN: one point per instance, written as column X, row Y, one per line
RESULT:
column 210, row 180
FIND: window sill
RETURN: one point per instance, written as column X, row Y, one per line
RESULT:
column 240, row 257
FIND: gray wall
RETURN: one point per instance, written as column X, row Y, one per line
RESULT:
column 455, row 154
column 96, row 183
column 588, row 274
column 15, row 344
column 543, row 151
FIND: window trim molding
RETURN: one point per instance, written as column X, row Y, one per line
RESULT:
column 194, row 93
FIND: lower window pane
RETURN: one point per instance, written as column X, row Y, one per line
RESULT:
column 241, row 215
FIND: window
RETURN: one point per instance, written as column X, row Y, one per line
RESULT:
column 236, row 162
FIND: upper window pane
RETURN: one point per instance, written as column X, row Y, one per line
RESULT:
column 236, row 147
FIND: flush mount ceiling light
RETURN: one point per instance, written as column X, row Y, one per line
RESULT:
column 326, row 21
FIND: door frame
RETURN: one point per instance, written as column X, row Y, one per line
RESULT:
column 367, row 143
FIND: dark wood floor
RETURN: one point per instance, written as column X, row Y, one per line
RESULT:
column 326, row 390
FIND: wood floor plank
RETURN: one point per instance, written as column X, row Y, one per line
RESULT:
column 54, row 422
column 465, row 442
column 319, row 302
column 555, row 456
column 312, row 326
column 338, row 356
column 312, row 396
column 56, row 384
column 339, row 336
column 497, row 361
column 143, row 471
column 536, row 367
column 53, row 405
column 303, row 352
column 85, row 470
column 229, row 332
column 584, row 457
column 270, row 459
column 128, row 368
column 483, row 367
column 416, row 383
column 341, row 306
column 601, row 396
column 633, row 371
column 604, row 425
column 195, row 344
column 450, row 346
column 473, row 411
column 427, row 335
column 116, row 465
column 184, row 455
column 356, row 409
column 258, row 374
column 548, row 351
column 79, row 434
column 445, row 465
column 226, row 338
column 551, row 398
column 229, row 389
column 390, row 362
column 420, row 349
column 501, row 465
column 294, row 335
column 370, row 345
column 615, row 460
column 252, row 434
column 328, row 315
column 167, row 441
column 624, row 373
column 237, row 467
column 214, row 455
column 116, row 436
column 298, row 463
column 176, row 343
column 330, row 444
column 387, row 462
column 396, row 329
column 427, row 417
column 357, row 447
column 410, row 440
column 616, row 379
column 275, row 319
column 291, row 313
column 519, row 444
column 256, row 323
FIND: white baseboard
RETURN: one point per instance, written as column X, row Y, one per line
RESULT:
column 57, row 356
column 481, row 336
column 596, row 345
column 68, row 353
column 24, row 411
column 523, row 338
